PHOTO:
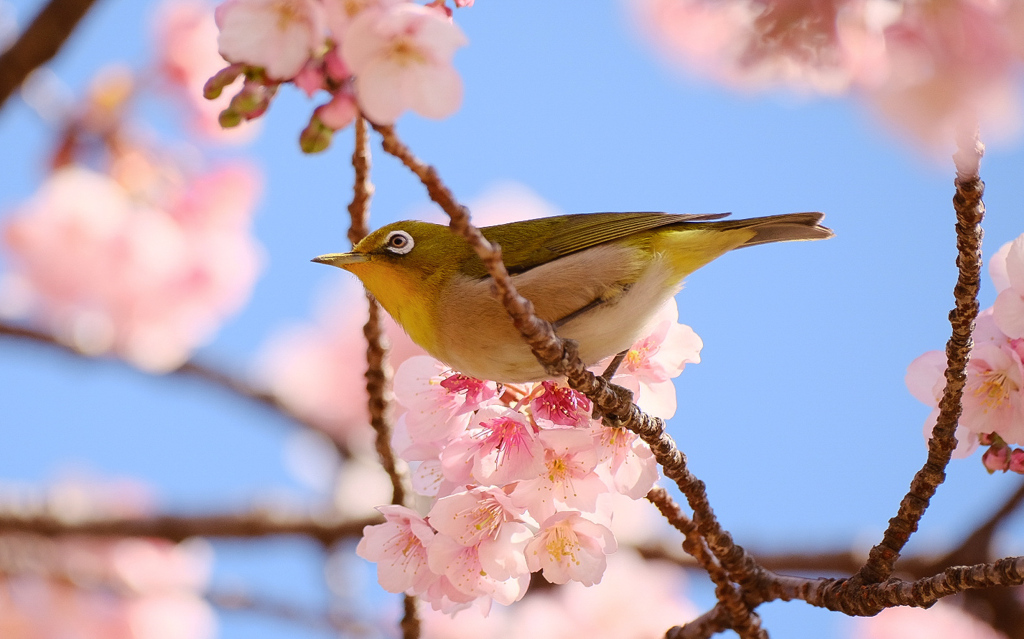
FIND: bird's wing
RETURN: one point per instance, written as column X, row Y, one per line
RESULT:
column 551, row 238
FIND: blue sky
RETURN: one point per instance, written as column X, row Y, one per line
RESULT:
column 797, row 418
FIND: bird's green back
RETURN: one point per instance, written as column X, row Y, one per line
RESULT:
column 526, row 245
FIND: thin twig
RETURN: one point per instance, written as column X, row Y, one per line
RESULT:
column 378, row 371
column 39, row 42
column 327, row 528
column 969, row 212
column 740, row 616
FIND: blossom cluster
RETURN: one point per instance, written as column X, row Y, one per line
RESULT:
column 517, row 475
column 993, row 399
column 380, row 57
column 931, row 67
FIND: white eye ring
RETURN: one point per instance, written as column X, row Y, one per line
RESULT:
column 398, row 242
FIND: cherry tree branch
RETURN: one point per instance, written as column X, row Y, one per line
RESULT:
column 40, row 41
column 240, row 601
column 378, row 372
column 325, row 527
column 969, row 212
column 740, row 616
column 191, row 368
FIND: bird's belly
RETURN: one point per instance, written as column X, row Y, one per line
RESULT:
column 480, row 340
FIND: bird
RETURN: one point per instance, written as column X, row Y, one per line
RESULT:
column 599, row 278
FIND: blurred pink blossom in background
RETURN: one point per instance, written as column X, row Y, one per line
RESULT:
column 185, row 35
column 85, row 588
column 929, row 67
column 941, row 620
column 148, row 275
column 317, row 368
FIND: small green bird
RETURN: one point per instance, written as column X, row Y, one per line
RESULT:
column 599, row 278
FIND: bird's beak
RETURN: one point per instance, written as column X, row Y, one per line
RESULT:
column 342, row 260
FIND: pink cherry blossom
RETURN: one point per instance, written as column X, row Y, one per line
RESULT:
column 439, row 401
column 485, row 519
column 931, row 68
column 472, row 516
column 277, row 35
column 500, row 446
column 994, row 396
column 146, row 274
column 949, row 65
column 560, row 405
column 567, row 479
column 625, row 461
column 401, row 57
column 187, row 56
column 570, row 547
column 1009, row 305
column 759, row 43
column 341, row 13
column 654, row 360
column 103, row 588
column 465, row 569
column 339, row 112
column 399, row 548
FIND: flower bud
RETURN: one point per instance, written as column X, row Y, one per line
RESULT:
column 215, row 85
column 1017, row 461
column 996, row 458
column 315, row 137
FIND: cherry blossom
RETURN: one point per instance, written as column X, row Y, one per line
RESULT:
column 399, row 548
column 560, row 405
column 625, row 461
column 341, row 13
column 401, row 58
column 1009, row 305
column 465, row 569
column 570, row 547
column 567, row 479
column 500, row 446
column 276, row 35
column 993, row 398
column 655, row 359
column 439, row 401
column 186, row 52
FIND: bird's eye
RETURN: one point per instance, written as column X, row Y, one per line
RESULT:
column 398, row 242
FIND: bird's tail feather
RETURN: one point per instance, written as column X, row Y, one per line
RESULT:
column 788, row 227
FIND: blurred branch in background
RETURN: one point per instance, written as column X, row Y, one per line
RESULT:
column 40, row 42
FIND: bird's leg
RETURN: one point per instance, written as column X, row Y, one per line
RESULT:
column 613, row 365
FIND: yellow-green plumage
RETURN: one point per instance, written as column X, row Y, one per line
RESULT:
column 600, row 277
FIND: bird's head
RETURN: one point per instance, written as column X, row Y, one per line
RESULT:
column 406, row 266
